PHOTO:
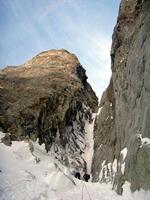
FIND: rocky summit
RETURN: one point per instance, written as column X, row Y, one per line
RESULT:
column 122, row 132
column 48, row 98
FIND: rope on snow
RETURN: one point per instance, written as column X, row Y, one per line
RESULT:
column 84, row 185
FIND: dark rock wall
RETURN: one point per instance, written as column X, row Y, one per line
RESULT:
column 130, row 56
column 105, row 135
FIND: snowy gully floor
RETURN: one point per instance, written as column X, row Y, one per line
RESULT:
column 22, row 178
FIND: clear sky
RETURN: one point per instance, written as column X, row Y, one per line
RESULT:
column 83, row 27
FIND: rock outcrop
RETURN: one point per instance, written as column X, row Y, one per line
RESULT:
column 49, row 99
column 122, row 132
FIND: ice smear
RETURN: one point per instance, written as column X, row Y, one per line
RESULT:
column 123, row 154
column 114, row 166
column 99, row 111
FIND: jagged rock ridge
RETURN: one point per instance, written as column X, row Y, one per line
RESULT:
column 48, row 98
column 122, row 129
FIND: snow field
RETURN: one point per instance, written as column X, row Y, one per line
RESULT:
column 21, row 178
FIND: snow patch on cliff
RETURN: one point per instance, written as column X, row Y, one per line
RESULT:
column 145, row 141
column 89, row 141
column 123, row 153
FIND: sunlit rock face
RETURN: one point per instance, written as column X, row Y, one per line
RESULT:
column 48, row 98
column 125, row 139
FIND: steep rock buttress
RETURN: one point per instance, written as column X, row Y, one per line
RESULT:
column 49, row 99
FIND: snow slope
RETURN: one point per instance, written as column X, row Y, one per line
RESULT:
column 21, row 178
column 89, row 150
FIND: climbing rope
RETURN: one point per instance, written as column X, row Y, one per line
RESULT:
column 84, row 185
column 82, row 190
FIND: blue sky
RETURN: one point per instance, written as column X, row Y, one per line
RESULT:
column 83, row 27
